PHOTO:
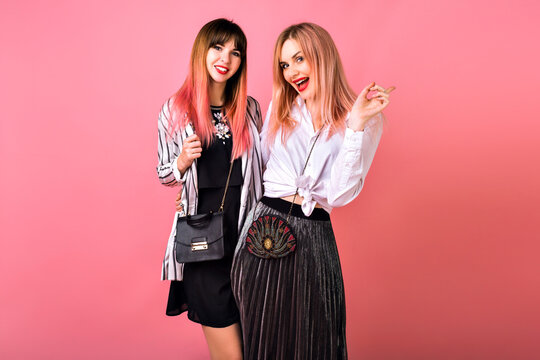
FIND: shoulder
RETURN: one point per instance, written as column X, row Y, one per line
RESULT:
column 169, row 118
column 253, row 112
column 170, row 110
column 166, row 109
column 253, row 105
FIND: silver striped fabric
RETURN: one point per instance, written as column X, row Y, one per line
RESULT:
column 292, row 307
column 169, row 147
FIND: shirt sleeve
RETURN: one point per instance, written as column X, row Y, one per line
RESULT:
column 353, row 162
column 169, row 147
column 265, row 144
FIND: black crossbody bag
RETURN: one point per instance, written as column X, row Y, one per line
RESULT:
column 200, row 237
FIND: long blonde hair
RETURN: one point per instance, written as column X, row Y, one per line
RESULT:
column 335, row 96
column 191, row 101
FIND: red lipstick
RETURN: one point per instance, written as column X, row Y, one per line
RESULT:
column 221, row 69
column 301, row 83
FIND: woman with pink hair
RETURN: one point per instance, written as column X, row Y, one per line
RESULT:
column 209, row 137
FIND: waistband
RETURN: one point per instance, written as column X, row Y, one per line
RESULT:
column 284, row 206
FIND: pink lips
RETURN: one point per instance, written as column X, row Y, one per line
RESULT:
column 303, row 84
column 220, row 68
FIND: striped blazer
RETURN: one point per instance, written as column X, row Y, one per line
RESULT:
column 170, row 146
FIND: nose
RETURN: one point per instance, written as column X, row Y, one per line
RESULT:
column 226, row 58
column 293, row 71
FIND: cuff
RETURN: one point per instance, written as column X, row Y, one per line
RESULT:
column 353, row 139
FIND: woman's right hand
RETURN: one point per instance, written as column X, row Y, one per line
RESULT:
column 191, row 150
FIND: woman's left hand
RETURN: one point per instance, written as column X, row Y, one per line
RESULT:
column 365, row 108
column 178, row 202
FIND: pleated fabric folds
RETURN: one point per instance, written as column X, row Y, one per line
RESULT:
column 292, row 307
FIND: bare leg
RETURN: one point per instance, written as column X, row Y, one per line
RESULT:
column 224, row 343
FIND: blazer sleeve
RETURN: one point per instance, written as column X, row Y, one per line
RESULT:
column 169, row 147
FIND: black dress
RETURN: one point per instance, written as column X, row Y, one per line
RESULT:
column 205, row 291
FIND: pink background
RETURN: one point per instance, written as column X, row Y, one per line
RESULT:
column 439, row 252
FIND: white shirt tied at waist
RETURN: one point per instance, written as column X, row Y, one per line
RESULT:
column 336, row 170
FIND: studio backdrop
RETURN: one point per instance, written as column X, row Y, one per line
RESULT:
column 439, row 251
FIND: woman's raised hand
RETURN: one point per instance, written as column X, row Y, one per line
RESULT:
column 191, row 150
column 366, row 107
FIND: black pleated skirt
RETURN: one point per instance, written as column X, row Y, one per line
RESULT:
column 292, row 307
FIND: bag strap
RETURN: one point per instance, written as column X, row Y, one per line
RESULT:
column 227, row 183
column 226, row 186
column 304, row 169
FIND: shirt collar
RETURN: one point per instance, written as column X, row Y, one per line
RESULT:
column 301, row 107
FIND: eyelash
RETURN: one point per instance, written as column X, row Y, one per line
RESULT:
column 298, row 59
column 219, row 48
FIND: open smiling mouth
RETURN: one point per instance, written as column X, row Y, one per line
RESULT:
column 221, row 69
column 301, row 83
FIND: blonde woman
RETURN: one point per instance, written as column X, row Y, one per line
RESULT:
column 318, row 142
column 209, row 123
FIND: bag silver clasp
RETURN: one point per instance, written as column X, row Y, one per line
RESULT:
column 201, row 245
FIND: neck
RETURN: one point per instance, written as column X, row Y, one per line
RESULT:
column 315, row 111
column 216, row 93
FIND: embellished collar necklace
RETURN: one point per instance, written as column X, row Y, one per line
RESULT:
column 220, row 123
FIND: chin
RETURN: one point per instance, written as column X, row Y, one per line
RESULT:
column 218, row 79
column 306, row 97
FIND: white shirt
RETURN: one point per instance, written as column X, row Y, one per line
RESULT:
column 336, row 170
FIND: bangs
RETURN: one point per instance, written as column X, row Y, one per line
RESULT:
column 224, row 31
